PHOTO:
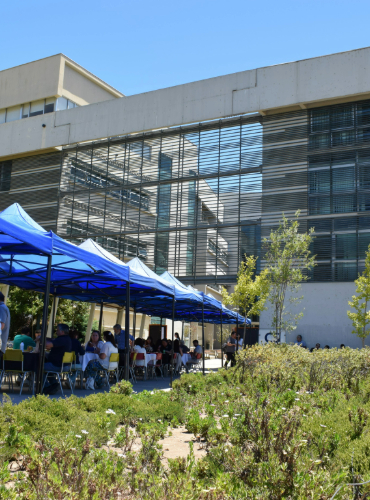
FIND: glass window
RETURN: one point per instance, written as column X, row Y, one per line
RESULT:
column 363, row 114
column 346, row 271
column 13, row 113
column 342, row 117
column 37, row 108
column 363, row 244
column 344, row 203
column 62, row 103
column 364, row 176
column 26, row 110
column 71, row 104
column 320, row 225
column 363, row 134
column 141, row 149
column 319, row 141
column 346, row 246
column 343, row 138
column 5, row 175
column 319, row 205
column 320, row 120
column 345, row 224
column 319, row 181
column 49, row 105
column 321, row 247
column 321, row 272
column 364, row 202
column 2, row 115
column 343, row 179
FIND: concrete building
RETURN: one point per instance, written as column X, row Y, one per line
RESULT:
column 190, row 178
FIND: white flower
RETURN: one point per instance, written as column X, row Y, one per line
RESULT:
column 121, row 455
column 297, row 392
column 283, row 408
column 297, row 399
column 159, row 420
column 321, row 425
column 237, row 415
column 189, row 386
column 227, row 401
column 140, row 419
column 84, row 432
column 78, row 436
column 225, row 416
column 152, row 392
column 304, row 415
column 110, row 412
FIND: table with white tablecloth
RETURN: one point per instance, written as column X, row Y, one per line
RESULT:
column 86, row 358
column 185, row 358
column 150, row 357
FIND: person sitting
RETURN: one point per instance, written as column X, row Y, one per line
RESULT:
column 166, row 352
column 195, row 354
column 149, row 345
column 342, row 346
column 108, row 348
column 139, row 348
column 300, row 341
column 317, row 346
column 95, row 343
column 25, row 337
column 58, row 347
column 185, row 349
column 326, row 346
column 76, row 345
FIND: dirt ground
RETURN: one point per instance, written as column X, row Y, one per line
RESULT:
column 177, row 445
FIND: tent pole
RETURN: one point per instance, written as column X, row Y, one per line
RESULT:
column 237, row 326
column 101, row 317
column 173, row 329
column 203, row 333
column 40, row 374
column 222, row 354
column 182, row 330
column 134, row 323
column 127, row 332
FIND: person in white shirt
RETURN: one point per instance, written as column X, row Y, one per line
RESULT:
column 139, row 348
column 108, row 348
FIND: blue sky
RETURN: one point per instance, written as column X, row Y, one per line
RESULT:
column 138, row 46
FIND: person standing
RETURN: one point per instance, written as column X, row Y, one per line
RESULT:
column 5, row 325
column 231, row 348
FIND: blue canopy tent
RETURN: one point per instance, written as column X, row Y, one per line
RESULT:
column 33, row 258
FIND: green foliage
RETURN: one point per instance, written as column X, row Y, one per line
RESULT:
column 361, row 317
column 75, row 314
column 288, row 257
column 123, row 387
column 283, row 424
column 250, row 291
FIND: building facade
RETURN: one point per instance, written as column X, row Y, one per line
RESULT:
column 194, row 199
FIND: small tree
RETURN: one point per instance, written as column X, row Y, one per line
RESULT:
column 361, row 317
column 287, row 257
column 250, row 291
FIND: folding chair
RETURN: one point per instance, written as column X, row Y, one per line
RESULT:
column 13, row 364
column 114, row 358
column 140, row 356
column 67, row 360
column 132, row 364
column 76, row 369
column 159, row 364
column 196, row 363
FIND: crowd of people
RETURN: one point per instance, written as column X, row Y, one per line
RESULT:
column 301, row 343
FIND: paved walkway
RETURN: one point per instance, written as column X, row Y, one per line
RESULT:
column 158, row 383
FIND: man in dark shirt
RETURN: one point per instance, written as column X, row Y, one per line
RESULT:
column 166, row 351
column 231, row 348
column 58, row 346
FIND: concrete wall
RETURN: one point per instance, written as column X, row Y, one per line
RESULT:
column 295, row 85
column 53, row 76
column 29, row 82
column 82, row 90
column 325, row 317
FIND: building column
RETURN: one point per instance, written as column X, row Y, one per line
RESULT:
column 142, row 324
column 119, row 318
column 52, row 317
column 90, row 322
